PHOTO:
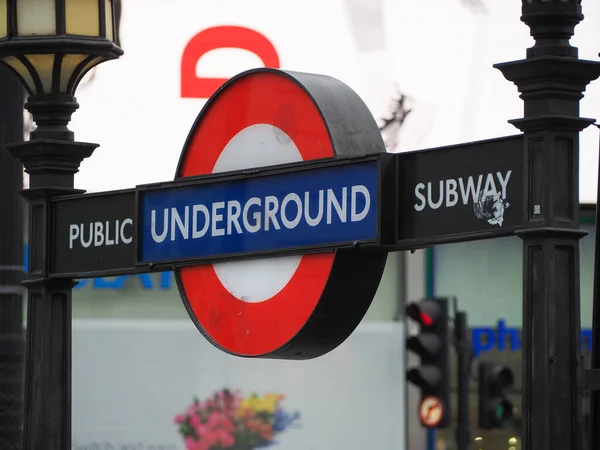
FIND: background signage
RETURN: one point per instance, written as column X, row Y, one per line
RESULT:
column 155, row 393
column 93, row 233
column 469, row 189
column 298, row 209
column 502, row 338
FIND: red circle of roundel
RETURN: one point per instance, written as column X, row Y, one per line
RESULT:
column 254, row 329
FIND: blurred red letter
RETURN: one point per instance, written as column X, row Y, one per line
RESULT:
column 214, row 38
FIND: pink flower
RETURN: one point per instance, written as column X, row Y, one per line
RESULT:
column 227, row 440
column 200, row 445
column 180, row 418
column 252, row 425
column 201, row 430
column 215, row 418
column 195, row 422
column 195, row 445
column 210, row 437
column 190, row 443
column 228, row 425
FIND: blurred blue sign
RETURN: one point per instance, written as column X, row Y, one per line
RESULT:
column 163, row 280
column 504, row 338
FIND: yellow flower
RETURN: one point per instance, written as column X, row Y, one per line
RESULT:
column 256, row 404
column 265, row 405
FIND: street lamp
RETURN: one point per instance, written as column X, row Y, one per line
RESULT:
column 51, row 45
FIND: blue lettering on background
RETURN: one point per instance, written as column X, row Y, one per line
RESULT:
column 505, row 338
column 165, row 280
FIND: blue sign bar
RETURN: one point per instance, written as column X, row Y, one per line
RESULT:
column 300, row 209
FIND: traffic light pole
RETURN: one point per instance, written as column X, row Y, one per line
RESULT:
column 551, row 81
column 463, row 352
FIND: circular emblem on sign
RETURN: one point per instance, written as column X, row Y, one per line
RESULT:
column 293, row 307
column 431, row 411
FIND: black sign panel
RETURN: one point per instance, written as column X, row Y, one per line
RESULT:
column 461, row 192
column 93, row 234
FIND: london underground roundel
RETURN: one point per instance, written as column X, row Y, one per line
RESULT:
column 289, row 307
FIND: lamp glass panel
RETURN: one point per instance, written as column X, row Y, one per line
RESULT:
column 69, row 64
column 36, row 17
column 108, row 11
column 44, row 65
column 3, row 19
column 20, row 68
column 83, row 17
column 89, row 66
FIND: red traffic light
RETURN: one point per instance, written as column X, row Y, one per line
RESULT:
column 425, row 312
column 430, row 344
column 425, row 319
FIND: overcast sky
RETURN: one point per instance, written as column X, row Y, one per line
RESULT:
column 439, row 52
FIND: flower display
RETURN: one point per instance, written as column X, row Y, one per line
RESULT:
column 227, row 420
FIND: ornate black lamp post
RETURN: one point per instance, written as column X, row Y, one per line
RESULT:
column 51, row 45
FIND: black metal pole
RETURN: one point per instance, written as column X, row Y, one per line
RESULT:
column 594, row 431
column 12, row 341
column 51, row 157
column 551, row 81
column 463, row 353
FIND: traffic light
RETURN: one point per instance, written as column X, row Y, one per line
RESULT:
column 495, row 410
column 431, row 344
